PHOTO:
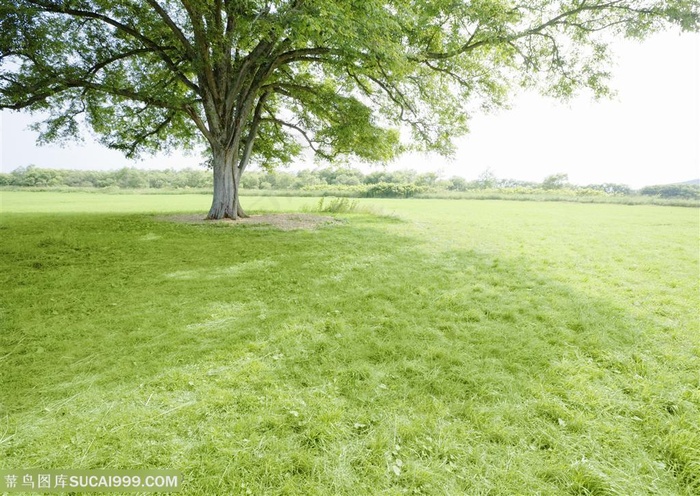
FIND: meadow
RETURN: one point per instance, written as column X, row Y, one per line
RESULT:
column 437, row 347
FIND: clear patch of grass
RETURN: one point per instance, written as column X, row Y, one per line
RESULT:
column 469, row 348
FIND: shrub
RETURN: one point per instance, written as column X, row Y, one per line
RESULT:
column 337, row 205
column 390, row 190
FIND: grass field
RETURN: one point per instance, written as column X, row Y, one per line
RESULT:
column 444, row 347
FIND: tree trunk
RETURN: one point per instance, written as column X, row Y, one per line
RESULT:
column 247, row 150
column 225, row 201
column 228, row 170
column 238, row 171
column 239, row 210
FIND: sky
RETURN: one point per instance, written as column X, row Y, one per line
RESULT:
column 648, row 133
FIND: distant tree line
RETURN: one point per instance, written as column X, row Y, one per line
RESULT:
column 126, row 178
column 346, row 180
column 689, row 191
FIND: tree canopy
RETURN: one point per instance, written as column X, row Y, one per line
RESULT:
column 259, row 79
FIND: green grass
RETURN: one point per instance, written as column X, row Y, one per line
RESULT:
column 447, row 347
column 128, row 202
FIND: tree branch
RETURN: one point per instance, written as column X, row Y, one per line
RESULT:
column 48, row 7
column 197, row 119
column 462, row 82
column 279, row 122
column 173, row 27
column 203, row 49
column 557, row 20
column 101, row 65
column 302, row 54
column 252, row 134
column 130, row 150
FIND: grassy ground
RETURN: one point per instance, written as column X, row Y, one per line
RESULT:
column 451, row 347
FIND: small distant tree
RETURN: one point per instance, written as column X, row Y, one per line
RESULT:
column 486, row 180
column 457, row 183
column 612, row 188
column 250, row 181
column 340, row 175
column 347, row 180
column 279, row 179
column 196, row 178
column 130, row 178
column 254, row 79
column 405, row 176
column 428, row 179
column 305, row 179
column 555, row 181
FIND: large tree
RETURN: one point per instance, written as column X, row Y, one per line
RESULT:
column 258, row 79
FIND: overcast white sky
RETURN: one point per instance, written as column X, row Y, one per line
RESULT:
column 648, row 134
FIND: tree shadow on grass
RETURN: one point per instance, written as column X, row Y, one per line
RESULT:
column 343, row 360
